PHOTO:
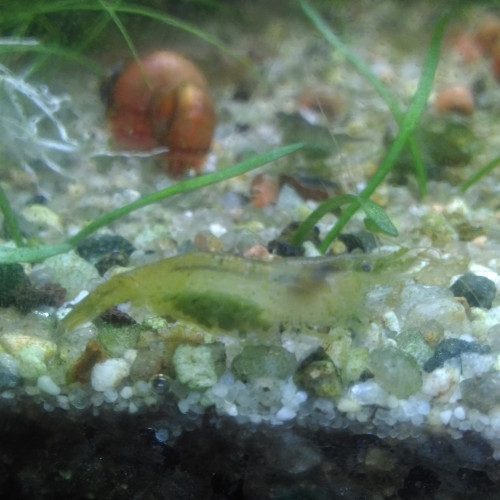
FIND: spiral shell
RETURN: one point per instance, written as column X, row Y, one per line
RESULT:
column 164, row 101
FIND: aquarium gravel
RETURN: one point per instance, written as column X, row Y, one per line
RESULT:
column 416, row 357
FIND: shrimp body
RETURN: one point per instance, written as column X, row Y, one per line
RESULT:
column 232, row 294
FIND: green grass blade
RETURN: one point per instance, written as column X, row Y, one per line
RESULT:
column 51, row 50
column 382, row 89
column 176, row 23
column 10, row 219
column 31, row 254
column 408, row 125
column 10, row 255
column 480, row 174
column 185, row 187
column 128, row 40
column 323, row 209
column 16, row 17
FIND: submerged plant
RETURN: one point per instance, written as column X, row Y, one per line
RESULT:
column 71, row 28
column 33, row 254
column 482, row 172
column 31, row 129
column 376, row 217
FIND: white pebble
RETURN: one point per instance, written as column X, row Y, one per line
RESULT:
column 142, row 388
column 8, row 395
column 230, row 409
column 368, row 393
column 127, row 392
column 217, row 229
column 417, row 419
column 423, row 407
column 48, row 407
column 108, row 374
column 129, row 356
column 63, row 402
column 445, row 416
column 441, row 382
column 285, row 414
column 391, row 321
column 459, row 412
column 46, row 384
column 161, row 435
column 347, row 405
column 220, row 390
column 110, row 395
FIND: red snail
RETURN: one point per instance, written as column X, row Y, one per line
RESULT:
column 164, row 101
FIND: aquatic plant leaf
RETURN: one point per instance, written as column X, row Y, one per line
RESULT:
column 8, row 255
column 480, row 174
column 407, row 127
column 378, row 84
column 378, row 219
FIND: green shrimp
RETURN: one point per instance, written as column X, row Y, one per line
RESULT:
column 232, row 294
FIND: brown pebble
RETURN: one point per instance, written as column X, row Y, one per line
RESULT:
column 264, row 190
column 488, row 34
column 456, row 99
column 258, row 252
column 82, row 367
column 311, row 188
column 323, row 102
column 466, row 45
column 207, row 242
column 116, row 317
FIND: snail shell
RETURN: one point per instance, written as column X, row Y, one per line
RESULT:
column 163, row 102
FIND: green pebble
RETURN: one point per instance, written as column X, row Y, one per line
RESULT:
column 482, row 393
column 413, row 342
column 263, row 361
column 118, row 340
column 93, row 249
column 147, row 363
column 71, row 272
column 354, row 364
column 155, row 323
column 446, row 142
column 395, row 371
column 31, row 362
column 320, row 378
column 199, row 366
column 13, row 280
column 477, row 290
column 452, row 348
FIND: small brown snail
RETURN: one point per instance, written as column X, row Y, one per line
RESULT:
column 164, row 101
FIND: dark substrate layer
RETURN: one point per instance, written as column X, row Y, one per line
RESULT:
column 119, row 456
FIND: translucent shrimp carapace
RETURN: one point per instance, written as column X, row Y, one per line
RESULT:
column 163, row 101
column 226, row 293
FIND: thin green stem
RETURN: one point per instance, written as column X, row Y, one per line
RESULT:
column 408, row 125
column 121, row 8
column 53, row 50
column 382, row 90
column 480, row 174
column 324, row 208
column 128, row 40
column 184, row 187
column 9, row 255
